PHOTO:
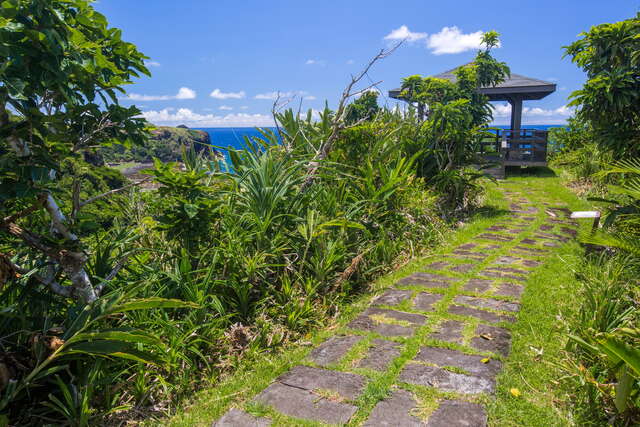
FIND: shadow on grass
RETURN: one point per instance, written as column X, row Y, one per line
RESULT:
column 488, row 212
column 539, row 172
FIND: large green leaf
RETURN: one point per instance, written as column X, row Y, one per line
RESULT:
column 107, row 348
column 619, row 350
column 153, row 302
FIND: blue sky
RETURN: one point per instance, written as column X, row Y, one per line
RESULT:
column 218, row 62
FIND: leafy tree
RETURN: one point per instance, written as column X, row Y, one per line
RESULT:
column 62, row 68
column 363, row 108
column 610, row 98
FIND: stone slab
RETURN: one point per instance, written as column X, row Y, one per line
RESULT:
column 392, row 297
column 463, row 268
column 365, row 323
column 496, row 274
column 458, row 413
column 346, row 384
column 424, row 301
column 491, row 303
column 570, row 231
column 394, row 411
column 484, row 315
column 471, row 363
column 509, row 290
column 508, row 260
column 413, row 318
column 468, row 246
column 300, row 403
column 449, row 331
column 478, row 285
column 535, row 251
column 545, row 227
column 380, row 356
column 438, row 265
column 427, row 280
column 495, row 237
column 492, row 338
column 432, row 376
column 529, row 241
column 333, row 349
column 471, row 255
column 237, row 418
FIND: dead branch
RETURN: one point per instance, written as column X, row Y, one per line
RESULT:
column 37, row 205
column 110, row 192
column 338, row 121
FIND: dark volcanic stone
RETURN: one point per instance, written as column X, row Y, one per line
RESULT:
column 492, row 338
column 345, row 384
column 509, row 290
column 416, row 319
column 365, row 323
column 458, row 413
column 469, row 362
column 431, row 376
column 463, row 268
column 380, row 356
column 478, row 285
column 333, row 349
column 468, row 246
column 491, row 303
column 569, row 231
column 438, row 265
column 508, row 260
column 468, row 254
column 546, row 227
column 497, row 227
column 491, row 247
column 496, row 237
column 427, row 280
column 449, row 331
column 299, row 403
column 237, row 418
column 531, row 263
column 394, row 411
column 510, row 270
column 502, row 275
column 424, row 301
column 392, row 297
column 487, row 316
column 531, row 250
column 529, row 241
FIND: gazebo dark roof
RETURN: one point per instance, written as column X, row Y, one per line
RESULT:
column 523, row 87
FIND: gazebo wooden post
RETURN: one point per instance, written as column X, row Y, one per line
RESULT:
column 516, row 115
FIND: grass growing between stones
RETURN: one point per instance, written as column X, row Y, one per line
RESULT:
column 536, row 344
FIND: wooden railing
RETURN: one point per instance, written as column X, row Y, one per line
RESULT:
column 522, row 146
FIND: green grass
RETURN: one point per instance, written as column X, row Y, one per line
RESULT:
column 532, row 366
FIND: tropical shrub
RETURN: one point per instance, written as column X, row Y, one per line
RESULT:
column 606, row 330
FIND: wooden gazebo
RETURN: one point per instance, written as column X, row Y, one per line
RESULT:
column 514, row 146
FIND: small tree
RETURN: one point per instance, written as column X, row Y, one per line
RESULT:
column 62, row 68
column 610, row 98
column 364, row 108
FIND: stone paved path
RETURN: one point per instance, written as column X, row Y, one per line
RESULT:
column 444, row 331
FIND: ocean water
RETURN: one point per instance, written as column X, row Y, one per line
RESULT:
column 223, row 138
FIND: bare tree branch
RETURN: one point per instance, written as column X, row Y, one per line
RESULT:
column 338, row 120
column 110, row 192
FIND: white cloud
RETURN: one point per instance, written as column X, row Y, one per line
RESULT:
column 272, row 96
column 151, row 63
column 452, row 40
column 218, row 94
column 403, row 33
column 309, row 98
column 320, row 62
column 192, row 119
column 244, row 107
column 183, row 93
column 535, row 115
column 225, row 108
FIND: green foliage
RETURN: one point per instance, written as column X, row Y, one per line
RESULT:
column 608, row 53
column 363, row 108
column 607, row 328
column 165, row 143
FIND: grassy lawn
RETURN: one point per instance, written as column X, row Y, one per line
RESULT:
column 532, row 368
